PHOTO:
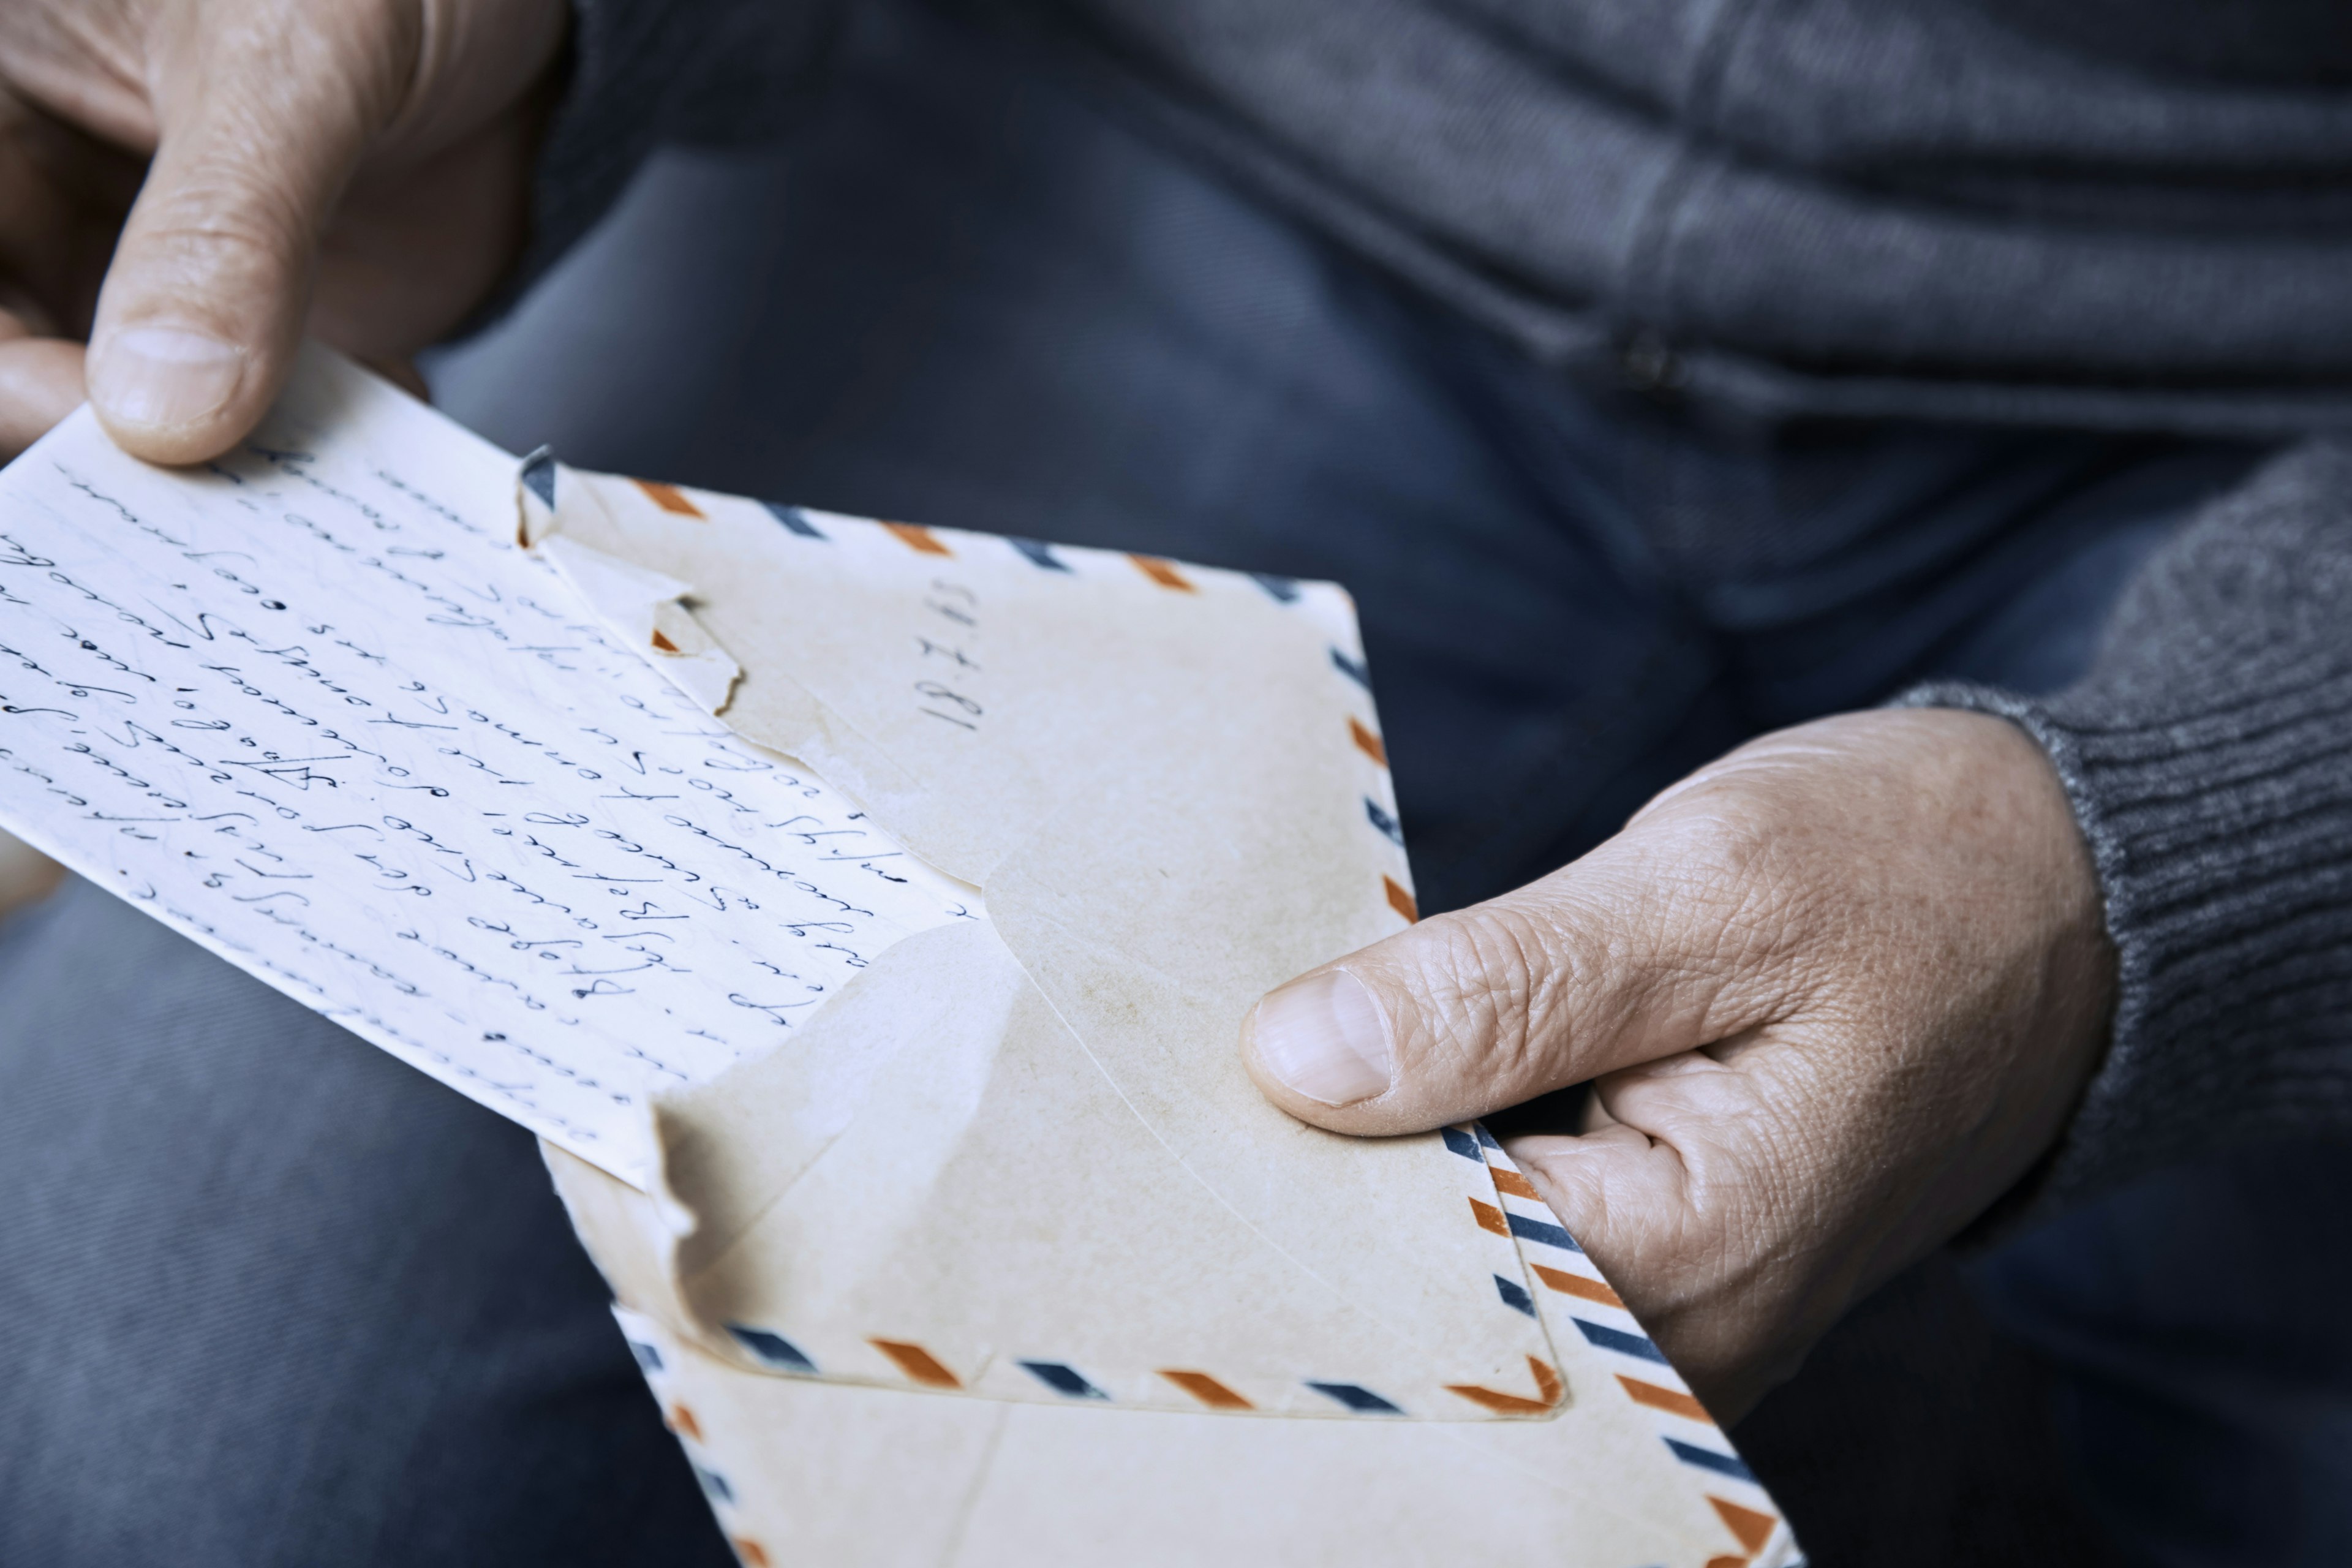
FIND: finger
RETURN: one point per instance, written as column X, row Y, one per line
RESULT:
column 1630, row 1203
column 40, row 383
column 263, row 112
column 1695, row 1185
column 1648, row 946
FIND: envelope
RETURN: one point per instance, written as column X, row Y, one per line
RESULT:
column 863, row 914
column 1001, row 1258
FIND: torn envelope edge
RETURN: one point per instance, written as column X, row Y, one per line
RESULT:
column 779, row 710
column 646, row 610
column 1508, row 1209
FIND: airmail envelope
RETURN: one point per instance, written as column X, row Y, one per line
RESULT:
column 1001, row 1258
column 863, row 914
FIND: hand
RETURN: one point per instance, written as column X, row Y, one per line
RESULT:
column 1835, row 993
column 358, row 169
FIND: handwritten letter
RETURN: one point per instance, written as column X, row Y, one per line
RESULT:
column 311, row 707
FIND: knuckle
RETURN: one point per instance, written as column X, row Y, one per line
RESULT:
column 238, row 213
column 1480, row 977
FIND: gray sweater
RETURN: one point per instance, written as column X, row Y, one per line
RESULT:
column 2115, row 213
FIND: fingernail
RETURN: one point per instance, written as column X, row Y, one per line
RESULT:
column 164, row 376
column 1325, row 1037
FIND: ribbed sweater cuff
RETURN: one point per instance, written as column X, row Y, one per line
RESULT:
column 2208, row 755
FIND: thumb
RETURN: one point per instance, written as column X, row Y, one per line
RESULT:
column 262, row 110
column 1621, row 958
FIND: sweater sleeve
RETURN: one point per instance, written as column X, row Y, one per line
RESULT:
column 2208, row 754
column 643, row 72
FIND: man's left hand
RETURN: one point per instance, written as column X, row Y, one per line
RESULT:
column 1835, row 993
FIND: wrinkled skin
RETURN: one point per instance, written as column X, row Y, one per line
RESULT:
column 251, row 170
column 1837, row 994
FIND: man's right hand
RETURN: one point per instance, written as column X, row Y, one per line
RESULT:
column 357, row 169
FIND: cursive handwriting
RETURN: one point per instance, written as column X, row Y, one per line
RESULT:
column 310, row 706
